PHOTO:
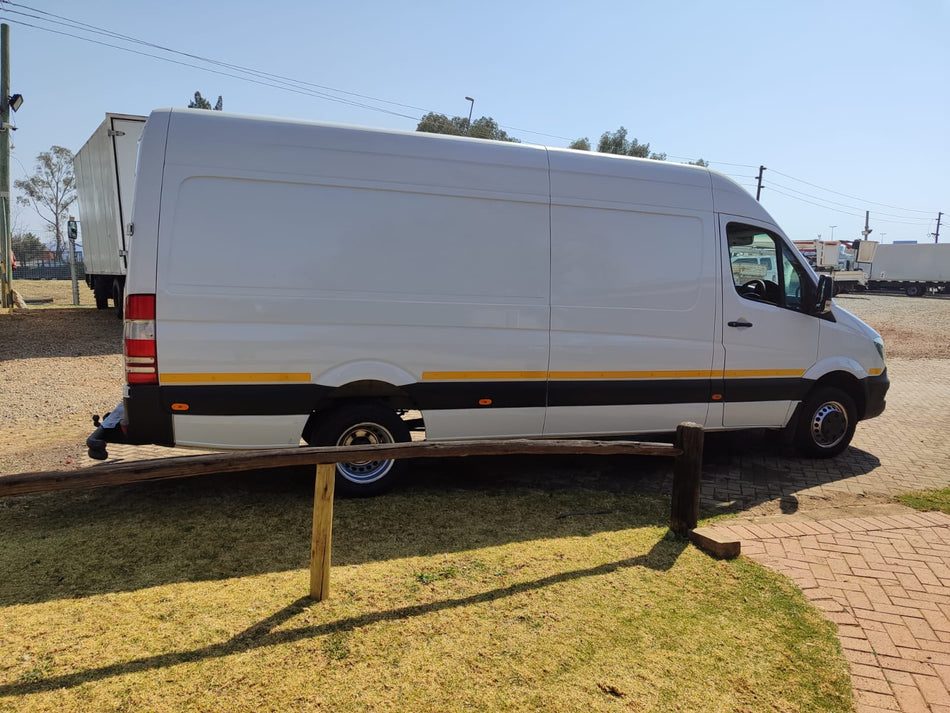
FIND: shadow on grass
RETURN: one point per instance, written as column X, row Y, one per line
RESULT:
column 65, row 545
column 77, row 544
column 662, row 556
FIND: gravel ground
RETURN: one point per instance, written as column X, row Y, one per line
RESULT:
column 60, row 364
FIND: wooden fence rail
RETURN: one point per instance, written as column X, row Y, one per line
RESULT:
column 687, row 452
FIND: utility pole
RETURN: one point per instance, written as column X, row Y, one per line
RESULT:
column 758, row 191
column 6, row 265
column 937, row 234
column 867, row 230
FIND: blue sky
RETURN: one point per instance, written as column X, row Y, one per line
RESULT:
column 846, row 103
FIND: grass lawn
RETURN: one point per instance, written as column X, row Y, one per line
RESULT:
column 928, row 500
column 446, row 595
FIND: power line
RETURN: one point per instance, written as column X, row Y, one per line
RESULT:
column 844, row 212
column 854, row 198
column 302, row 91
column 771, row 184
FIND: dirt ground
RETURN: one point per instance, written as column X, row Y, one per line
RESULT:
column 60, row 364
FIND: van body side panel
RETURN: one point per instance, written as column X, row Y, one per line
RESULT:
column 305, row 251
column 633, row 297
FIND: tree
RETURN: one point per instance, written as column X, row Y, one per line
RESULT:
column 26, row 246
column 483, row 128
column 199, row 102
column 51, row 190
column 699, row 162
column 580, row 144
column 618, row 143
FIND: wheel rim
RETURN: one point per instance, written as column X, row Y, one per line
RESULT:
column 829, row 424
column 365, row 434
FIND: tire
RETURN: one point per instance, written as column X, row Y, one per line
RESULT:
column 101, row 290
column 825, row 423
column 362, row 423
column 913, row 290
column 117, row 296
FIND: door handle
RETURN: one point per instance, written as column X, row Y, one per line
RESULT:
column 740, row 324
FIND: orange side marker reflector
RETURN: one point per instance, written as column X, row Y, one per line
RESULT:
column 717, row 397
column 484, row 402
column 180, row 407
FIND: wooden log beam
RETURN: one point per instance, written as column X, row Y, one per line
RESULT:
column 687, row 471
column 238, row 461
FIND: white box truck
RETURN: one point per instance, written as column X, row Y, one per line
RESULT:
column 105, row 175
column 915, row 269
column 296, row 281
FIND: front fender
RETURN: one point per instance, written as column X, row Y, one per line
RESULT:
column 836, row 364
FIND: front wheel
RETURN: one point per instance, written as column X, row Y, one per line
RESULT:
column 825, row 423
column 360, row 424
column 914, row 290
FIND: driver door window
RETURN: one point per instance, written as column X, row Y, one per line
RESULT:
column 764, row 269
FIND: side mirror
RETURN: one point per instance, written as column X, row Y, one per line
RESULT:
column 826, row 288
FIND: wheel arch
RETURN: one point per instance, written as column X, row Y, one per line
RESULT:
column 364, row 390
column 848, row 383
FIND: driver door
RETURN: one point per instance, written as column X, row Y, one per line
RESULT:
column 768, row 337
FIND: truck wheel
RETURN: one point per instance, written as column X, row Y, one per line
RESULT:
column 825, row 424
column 358, row 424
column 101, row 291
column 913, row 290
column 117, row 297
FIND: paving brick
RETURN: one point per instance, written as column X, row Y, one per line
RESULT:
column 868, row 700
column 910, row 699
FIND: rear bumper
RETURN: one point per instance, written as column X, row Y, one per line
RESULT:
column 875, row 389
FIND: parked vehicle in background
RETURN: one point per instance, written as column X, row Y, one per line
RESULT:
column 291, row 280
column 914, row 268
column 105, row 175
column 840, row 259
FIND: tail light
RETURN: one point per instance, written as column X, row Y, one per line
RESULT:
column 141, row 360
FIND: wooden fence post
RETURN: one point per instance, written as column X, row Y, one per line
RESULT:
column 687, row 470
column 322, row 529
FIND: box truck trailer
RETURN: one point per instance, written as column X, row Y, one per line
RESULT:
column 912, row 268
column 292, row 281
column 105, row 175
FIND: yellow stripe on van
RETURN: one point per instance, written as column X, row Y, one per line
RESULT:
column 480, row 375
column 617, row 375
column 654, row 374
column 243, row 378
column 761, row 373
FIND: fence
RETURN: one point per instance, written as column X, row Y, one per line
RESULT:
column 687, row 452
column 38, row 262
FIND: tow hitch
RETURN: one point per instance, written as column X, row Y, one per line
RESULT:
column 108, row 430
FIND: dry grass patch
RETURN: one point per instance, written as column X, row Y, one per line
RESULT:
column 188, row 596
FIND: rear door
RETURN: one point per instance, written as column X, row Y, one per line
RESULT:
column 769, row 339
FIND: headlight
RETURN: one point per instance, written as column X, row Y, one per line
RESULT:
column 879, row 343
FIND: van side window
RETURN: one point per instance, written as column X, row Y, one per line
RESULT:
column 764, row 268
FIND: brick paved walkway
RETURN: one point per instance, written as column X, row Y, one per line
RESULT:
column 884, row 578
column 879, row 570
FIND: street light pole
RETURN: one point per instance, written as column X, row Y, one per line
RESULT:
column 832, row 232
column 472, row 106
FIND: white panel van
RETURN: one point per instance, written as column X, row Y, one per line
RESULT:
column 293, row 281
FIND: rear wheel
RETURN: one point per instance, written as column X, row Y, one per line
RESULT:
column 913, row 290
column 360, row 424
column 826, row 423
column 117, row 296
column 102, row 290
